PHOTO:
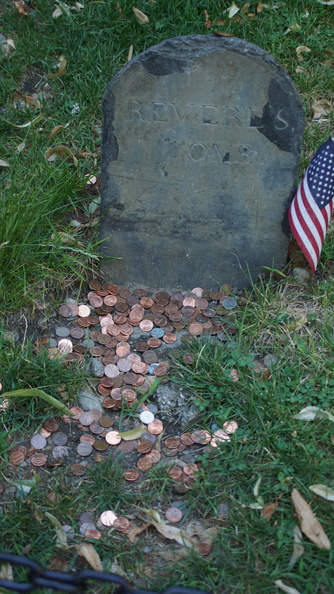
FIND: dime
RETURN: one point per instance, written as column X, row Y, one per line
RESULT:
column 38, row 441
column 113, row 437
column 65, row 346
column 174, row 514
column 131, row 474
column 146, row 417
column 107, row 518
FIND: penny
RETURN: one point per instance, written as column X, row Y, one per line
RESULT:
column 100, row 445
column 83, row 311
column 106, row 421
column 110, row 300
column 153, row 456
column 146, row 417
column 198, row 291
column 160, row 370
column 200, row 436
column 96, row 428
column 86, row 418
column 175, row 472
column 134, row 358
column 146, row 302
column 124, row 365
column 59, row 438
column 190, row 470
column 144, row 447
column 169, row 338
column 112, row 289
column 38, row 460
column 51, row 425
column 203, row 548
column 128, row 394
column 84, row 449
column 230, row 426
column 16, row 457
column 76, row 411
column 174, row 514
column 144, row 464
column 109, row 403
column 113, row 437
column 126, row 330
column 83, row 323
column 139, row 367
column 127, row 447
column 38, row 441
column 195, row 328
column 111, row 370
column 221, row 436
column 65, row 311
column 130, row 378
column 116, row 394
column 146, row 325
column 103, row 391
column 60, row 452
column 228, row 302
column 94, row 284
column 95, row 300
column 121, row 524
column 65, row 346
column 172, row 442
column 107, row 518
column 123, row 349
column 107, row 382
column 155, row 427
column 93, row 533
column 78, row 469
column 87, row 439
column 186, row 439
column 131, row 474
column 141, row 347
column 150, row 357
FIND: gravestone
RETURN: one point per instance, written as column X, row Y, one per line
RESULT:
column 200, row 151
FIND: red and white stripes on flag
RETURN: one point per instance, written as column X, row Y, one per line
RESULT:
column 312, row 206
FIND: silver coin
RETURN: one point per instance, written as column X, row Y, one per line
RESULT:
column 152, row 368
column 146, row 417
column 228, row 302
column 86, row 526
column 38, row 441
column 84, row 449
column 62, row 331
column 59, row 438
column 60, row 452
column 157, row 332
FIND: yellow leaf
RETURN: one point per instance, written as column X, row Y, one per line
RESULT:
column 133, row 433
column 308, row 522
column 89, row 553
column 298, row 548
column 223, row 34
column 141, row 16
column 300, row 50
column 11, row 43
column 232, row 10
column 52, row 153
column 61, row 70
column 6, row 572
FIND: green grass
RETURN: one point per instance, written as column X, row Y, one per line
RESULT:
column 294, row 323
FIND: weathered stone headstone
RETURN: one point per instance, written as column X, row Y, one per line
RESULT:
column 201, row 143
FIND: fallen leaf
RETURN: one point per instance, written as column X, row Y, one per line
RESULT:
column 245, row 8
column 207, row 19
column 133, row 433
column 232, row 10
column 89, row 553
column 285, row 588
column 269, row 510
column 135, row 531
column 57, row 13
column 153, row 514
column 20, row 6
column 79, row 6
column 130, row 53
column 308, row 522
column 20, row 147
column 323, row 491
column 299, row 70
column 52, row 152
column 321, row 108
column 10, row 43
column 141, row 16
column 66, row 238
column 173, row 533
column 301, row 49
column 298, row 548
column 6, row 572
column 256, row 488
column 309, row 413
column 116, row 568
column 328, row 3
column 223, row 34
column 4, row 163
column 61, row 70
column 61, row 538
column 261, row 6
column 56, row 129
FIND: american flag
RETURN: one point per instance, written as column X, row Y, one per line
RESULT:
column 312, row 206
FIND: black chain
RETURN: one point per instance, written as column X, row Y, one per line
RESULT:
column 64, row 582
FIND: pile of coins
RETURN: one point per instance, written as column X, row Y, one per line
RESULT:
column 109, row 327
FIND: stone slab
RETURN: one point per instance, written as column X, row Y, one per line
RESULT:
column 200, row 152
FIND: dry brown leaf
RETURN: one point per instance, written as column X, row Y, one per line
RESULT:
column 51, row 154
column 6, row 572
column 207, row 19
column 57, row 13
column 61, row 70
column 20, row 6
column 245, row 8
column 321, row 108
column 20, row 147
column 298, row 548
column 56, row 129
column 223, row 34
column 141, row 16
column 308, row 522
column 261, row 6
column 302, row 49
column 89, row 553
column 173, row 533
column 269, row 510
column 32, row 101
column 134, row 532
column 286, row 588
column 4, row 163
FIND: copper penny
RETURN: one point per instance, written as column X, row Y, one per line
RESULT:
column 153, row 456
column 144, row 464
column 38, row 460
column 65, row 311
column 110, row 300
column 94, row 284
column 195, row 328
column 109, row 403
column 230, row 426
column 96, row 428
column 190, row 470
column 87, row 439
column 86, row 418
column 186, row 439
column 169, row 338
column 144, row 447
column 146, row 302
column 146, row 325
column 203, row 548
column 45, row 432
column 200, row 436
column 103, row 391
column 77, row 332
column 139, row 367
column 107, row 518
column 121, row 524
column 113, row 437
column 141, row 347
column 130, row 378
column 78, row 469
column 83, row 311
column 93, row 533
column 160, row 370
column 175, row 472
column 16, row 457
column 172, row 442
column 155, row 427
column 174, row 514
column 112, row 289
column 107, row 382
column 131, row 474
column 106, row 421
column 150, row 357
column 100, row 445
column 128, row 394
column 51, row 425
column 95, row 300
column 221, row 436
column 76, row 411
column 59, row 438
column 127, row 447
